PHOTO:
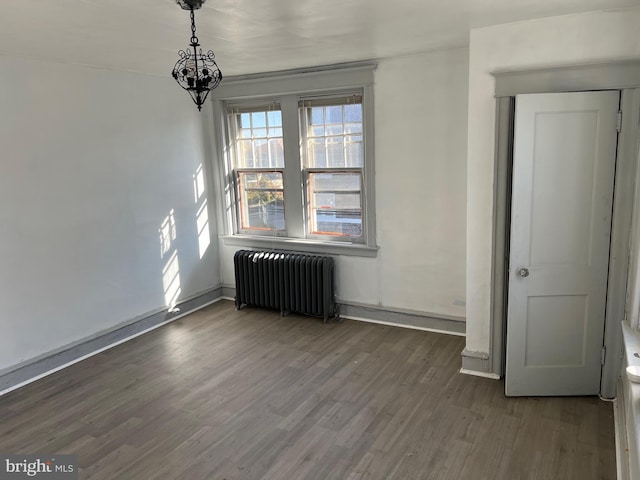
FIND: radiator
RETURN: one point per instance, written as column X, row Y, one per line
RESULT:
column 289, row 282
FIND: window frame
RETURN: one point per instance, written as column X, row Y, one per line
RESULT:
column 264, row 105
column 287, row 90
column 340, row 99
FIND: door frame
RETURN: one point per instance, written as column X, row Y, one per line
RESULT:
column 614, row 76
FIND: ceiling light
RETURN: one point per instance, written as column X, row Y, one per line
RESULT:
column 195, row 71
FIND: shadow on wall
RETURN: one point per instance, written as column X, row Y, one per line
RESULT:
column 169, row 250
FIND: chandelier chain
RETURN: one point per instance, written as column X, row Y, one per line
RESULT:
column 194, row 39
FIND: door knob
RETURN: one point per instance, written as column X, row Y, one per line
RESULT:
column 523, row 272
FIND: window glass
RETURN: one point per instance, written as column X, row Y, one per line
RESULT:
column 259, row 140
column 335, row 203
column 258, row 160
column 334, row 160
column 261, row 200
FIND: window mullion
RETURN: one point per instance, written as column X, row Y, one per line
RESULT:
column 293, row 195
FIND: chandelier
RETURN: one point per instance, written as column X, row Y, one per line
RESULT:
column 195, row 71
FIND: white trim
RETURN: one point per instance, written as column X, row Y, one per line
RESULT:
column 476, row 373
column 300, row 245
column 632, row 304
column 598, row 76
column 629, row 397
column 623, row 204
column 505, row 109
column 402, row 311
column 621, row 227
column 394, row 317
column 622, row 446
column 295, row 81
column 287, row 88
column 412, row 327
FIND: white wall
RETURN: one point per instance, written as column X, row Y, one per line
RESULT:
column 92, row 163
column 566, row 40
column 420, row 142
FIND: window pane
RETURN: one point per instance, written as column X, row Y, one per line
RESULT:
column 317, row 116
column 337, row 200
column 262, row 154
column 335, row 152
column 259, row 119
column 343, row 141
column 353, row 128
column 335, row 129
column 276, row 151
column 275, row 118
column 353, row 152
column 335, row 204
column 334, row 114
column 353, row 113
column 259, row 141
column 245, row 120
column 261, row 201
column 245, row 154
column 262, row 180
column 336, row 181
column 318, row 157
column 338, row 223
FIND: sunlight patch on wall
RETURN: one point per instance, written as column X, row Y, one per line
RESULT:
column 167, row 233
column 171, row 281
column 202, row 222
column 202, row 215
column 199, row 188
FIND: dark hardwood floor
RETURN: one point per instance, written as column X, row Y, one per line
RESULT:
column 233, row 395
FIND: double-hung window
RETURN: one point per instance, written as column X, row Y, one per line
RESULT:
column 333, row 151
column 258, row 154
column 298, row 165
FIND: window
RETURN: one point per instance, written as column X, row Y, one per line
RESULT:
column 299, row 166
column 332, row 138
column 258, row 154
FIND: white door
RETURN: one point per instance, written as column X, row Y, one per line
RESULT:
column 563, row 172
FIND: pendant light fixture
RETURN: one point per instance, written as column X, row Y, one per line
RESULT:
column 195, row 71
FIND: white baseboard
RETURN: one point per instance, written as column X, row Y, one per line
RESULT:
column 412, row 327
column 475, row 373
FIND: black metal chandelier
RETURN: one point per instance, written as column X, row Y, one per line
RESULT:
column 195, row 71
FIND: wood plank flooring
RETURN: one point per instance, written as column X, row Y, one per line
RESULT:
column 246, row 395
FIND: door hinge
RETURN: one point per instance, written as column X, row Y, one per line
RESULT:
column 619, row 121
column 603, row 355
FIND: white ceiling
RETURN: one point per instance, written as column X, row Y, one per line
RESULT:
column 250, row 36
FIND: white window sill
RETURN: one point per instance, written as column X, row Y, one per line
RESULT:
column 631, row 344
column 301, row 245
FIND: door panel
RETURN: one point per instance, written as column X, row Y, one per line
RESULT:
column 563, row 172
